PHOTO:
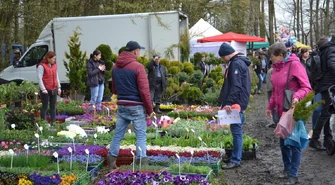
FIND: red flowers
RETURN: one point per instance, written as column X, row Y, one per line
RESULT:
column 126, row 153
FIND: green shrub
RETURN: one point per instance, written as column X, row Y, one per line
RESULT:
column 197, row 58
column 143, row 60
column 174, row 70
column 193, row 94
column 122, row 49
column 165, row 62
column 196, row 79
column 183, row 77
column 189, row 69
column 177, row 64
column 211, row 97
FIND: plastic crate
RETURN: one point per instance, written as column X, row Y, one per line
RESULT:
column 84, row 179
column 215, row 167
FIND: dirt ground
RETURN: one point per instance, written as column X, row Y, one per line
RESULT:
column 316, row 166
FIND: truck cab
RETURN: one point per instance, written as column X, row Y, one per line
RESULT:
column 26, row 66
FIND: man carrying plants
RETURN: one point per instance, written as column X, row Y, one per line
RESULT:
column 130, row 84
column 235, row 90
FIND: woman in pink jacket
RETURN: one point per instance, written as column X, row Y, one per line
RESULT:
column 298, row 81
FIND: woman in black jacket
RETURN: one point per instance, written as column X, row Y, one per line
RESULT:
column 96, row 79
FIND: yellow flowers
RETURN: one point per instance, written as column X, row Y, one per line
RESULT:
column 170, row 106
column 24, row 181
column 68, row 179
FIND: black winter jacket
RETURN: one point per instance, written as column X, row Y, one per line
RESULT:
column 93, row 73
column 327, row 57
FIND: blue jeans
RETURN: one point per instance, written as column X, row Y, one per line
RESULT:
column 125, row 115
column 264, row 76
column 291, row 158
column 236, row 131
column 260, row 81
column 317, row 111
column 97, row 94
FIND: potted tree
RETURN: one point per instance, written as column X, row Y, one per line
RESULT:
column 75, row 65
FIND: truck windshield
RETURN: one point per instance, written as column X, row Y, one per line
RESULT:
column 33, row 56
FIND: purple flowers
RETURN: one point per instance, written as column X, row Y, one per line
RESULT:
column 93, row 159
column 129, row 178
column 45, row 180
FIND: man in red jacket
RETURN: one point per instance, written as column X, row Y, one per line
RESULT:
column 130, row 84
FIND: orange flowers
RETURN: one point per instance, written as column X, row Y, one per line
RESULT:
column 68, row 179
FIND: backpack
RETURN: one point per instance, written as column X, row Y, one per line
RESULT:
column 314, row 70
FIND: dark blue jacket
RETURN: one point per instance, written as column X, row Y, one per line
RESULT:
column 237, row 85
column 130, row 82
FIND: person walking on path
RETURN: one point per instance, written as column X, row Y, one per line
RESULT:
column 130, row 84
column 327, row 59
column 49, row 84
column 287, row 69
column 157, row 76
column 235, row 90
column 96, row 80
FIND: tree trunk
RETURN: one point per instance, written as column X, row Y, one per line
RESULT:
column 311, row 22
column 316, row 28
column 262, row 29
column 327, row 18
column 298, row 19
column 302, row 24
column 271, row 17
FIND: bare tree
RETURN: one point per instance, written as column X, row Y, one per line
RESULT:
column 271, row 18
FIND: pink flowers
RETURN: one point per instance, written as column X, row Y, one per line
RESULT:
column 10, row 145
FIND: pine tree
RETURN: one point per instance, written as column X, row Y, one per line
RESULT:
column 76, row 65
column 304, row 112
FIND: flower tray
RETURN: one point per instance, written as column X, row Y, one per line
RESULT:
column 206, row 177
column 84, row 179
column 249, row 154
column 215, row 167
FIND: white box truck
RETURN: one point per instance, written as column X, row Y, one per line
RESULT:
column 155, row 31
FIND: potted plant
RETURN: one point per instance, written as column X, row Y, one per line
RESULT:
column 76, row 67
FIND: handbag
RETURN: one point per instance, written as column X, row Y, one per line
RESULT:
column 285, row 125
column 288, row 93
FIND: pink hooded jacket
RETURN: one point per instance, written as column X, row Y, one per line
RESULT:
column 298, row 81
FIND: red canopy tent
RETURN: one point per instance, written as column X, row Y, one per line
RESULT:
column 231, row 36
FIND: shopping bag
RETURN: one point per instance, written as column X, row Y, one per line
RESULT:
column 286, row 124
column 298, row 137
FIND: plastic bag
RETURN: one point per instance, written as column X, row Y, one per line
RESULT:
column 298, row 137
column 286, row 124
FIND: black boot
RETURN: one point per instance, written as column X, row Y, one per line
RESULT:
column 111, row 163
column 157, row 111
